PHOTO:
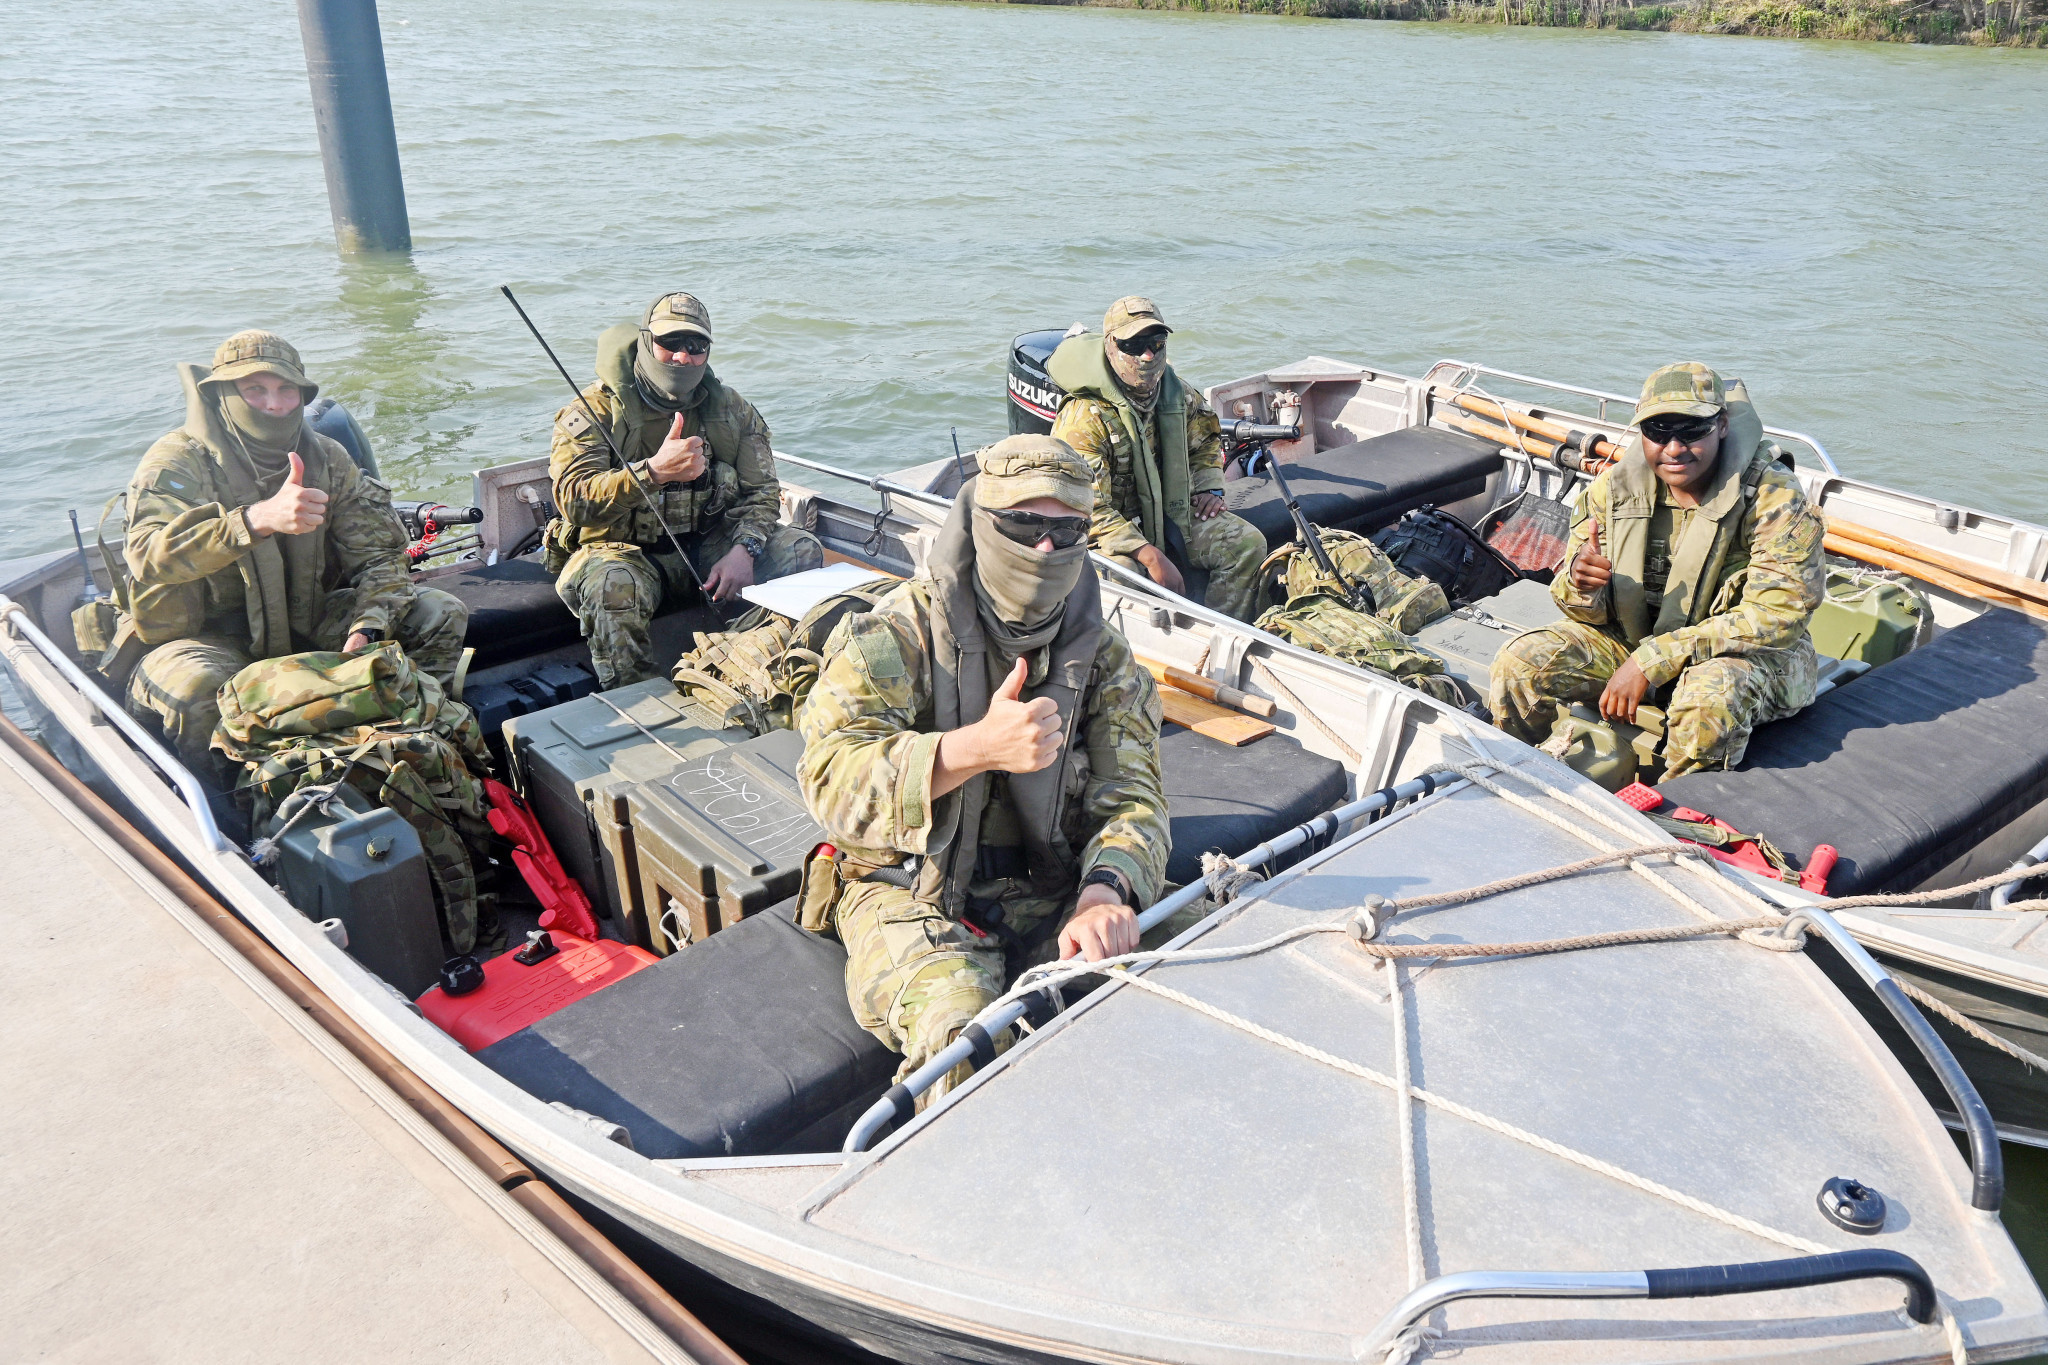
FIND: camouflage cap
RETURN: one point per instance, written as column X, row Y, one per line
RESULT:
column 259, row 352
column 1019, row 468
column 672, row 313
column 1687, row 390
column 1129, row 316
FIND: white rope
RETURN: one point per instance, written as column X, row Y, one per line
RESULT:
column 2033, row 1061
column 1301, row 709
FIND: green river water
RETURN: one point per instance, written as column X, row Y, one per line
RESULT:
column 873, row 197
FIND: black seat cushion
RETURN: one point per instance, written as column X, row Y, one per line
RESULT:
column 1905, row 768
column 740, row 1045
column 1369, row 484
column 513, row 610
column 1233, row 799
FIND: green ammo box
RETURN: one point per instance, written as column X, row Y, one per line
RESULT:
column 1873, row 620
column 721, row 837
column 574, row 764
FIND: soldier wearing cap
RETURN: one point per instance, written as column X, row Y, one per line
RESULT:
column 698, row 448
column 984, row 751
column 1157, row 453
column 1692, row 571
column 252, row 536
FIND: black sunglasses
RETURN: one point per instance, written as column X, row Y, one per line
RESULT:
column 1153, row 341
column 1028, row 528
column 689, row 343
column 1665, row 430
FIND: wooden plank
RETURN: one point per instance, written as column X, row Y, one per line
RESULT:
column 1207, row 718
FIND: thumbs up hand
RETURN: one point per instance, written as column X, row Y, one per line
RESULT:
column 681, row 458
column 1590, row 568
column 293, row 509
column 1018, row 736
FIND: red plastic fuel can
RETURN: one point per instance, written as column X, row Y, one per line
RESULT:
column 515, row 994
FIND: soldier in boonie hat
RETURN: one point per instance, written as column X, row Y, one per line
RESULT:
column 260, row 352
column 1019, row 468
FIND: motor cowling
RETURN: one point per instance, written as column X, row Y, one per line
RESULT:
column 1034, row 400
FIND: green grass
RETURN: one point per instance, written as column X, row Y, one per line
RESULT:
column 1983, row 23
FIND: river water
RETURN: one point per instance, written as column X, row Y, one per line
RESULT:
column 873, row 197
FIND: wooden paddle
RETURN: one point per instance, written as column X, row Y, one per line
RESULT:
column 2003, row 579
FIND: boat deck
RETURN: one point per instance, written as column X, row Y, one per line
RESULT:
column 190, row 1178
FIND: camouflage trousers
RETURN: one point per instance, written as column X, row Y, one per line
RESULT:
column 1712, row 709
column 916, row 978
column 177, row 684
column 616, row 589
column 1231, row 549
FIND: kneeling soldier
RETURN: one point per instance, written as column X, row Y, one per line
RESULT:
column 1694, row 564
column 697, row 447
column 985, row 751
column 251, row 536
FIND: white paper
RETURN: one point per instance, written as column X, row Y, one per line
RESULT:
column 798, row 593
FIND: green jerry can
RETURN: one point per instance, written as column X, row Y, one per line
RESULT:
column 1611, row 752
column 1867, row 618
column 574, row 764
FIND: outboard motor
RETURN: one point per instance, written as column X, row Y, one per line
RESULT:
column 1034, row 398
column 337, row 423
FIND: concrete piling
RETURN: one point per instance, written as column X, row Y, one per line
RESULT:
column 352, row 109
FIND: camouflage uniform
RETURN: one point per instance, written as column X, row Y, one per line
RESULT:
column 616, row 566
column 1098, row 419
column 211, row 597
column 916, row 973
column 1716, row 614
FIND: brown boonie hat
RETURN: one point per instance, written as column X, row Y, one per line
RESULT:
column 672, row 313
column 259, row 352
column 1019, row 468
column 1686, row 390
column 1129, row 316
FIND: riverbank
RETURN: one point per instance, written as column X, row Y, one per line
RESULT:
column 1978, row 23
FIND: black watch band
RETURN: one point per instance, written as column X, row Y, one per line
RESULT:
column 1111, row 878
column 755, row 546
column 373, row 636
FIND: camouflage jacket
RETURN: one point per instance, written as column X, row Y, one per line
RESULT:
column 597, row 498
column 1092, row 425
column 1759, row 580
column 189, row 547
column 870, row 745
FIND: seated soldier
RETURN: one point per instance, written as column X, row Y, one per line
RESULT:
column 694, row 444
column 1692, row 570
column 1157, row 453
column 985, row 751
column 251, row 536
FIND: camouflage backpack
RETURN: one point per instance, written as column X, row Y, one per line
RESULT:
column 758, row 673
column 373, row 720
column 1407, row 604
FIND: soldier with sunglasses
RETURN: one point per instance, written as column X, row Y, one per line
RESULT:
column 1690, row 577
column 701, row 448
column 983, row 750
column 1157, row 452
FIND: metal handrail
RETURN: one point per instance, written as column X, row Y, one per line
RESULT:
column 1987, row 1160
column 901, row 1100
column 1827, row 461
column 1691, row 1282
column 117, row 716
column 2003, row 896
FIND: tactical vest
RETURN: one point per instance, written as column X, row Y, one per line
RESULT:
column 1080, row 368
column 758, row 673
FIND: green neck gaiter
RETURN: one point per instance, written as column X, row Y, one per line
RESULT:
column 268, row 439
column 668, row 387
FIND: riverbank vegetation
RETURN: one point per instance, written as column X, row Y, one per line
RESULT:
column 1984, row 23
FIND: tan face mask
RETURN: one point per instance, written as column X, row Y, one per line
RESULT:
column 1138, row 374
column 1021, row 590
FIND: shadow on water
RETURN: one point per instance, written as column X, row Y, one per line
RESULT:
column 2026, row 1211
column 398, row 379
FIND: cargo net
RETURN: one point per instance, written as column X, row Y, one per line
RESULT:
column 1772, row 929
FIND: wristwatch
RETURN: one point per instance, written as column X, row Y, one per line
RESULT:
column 1111, row 878
column 373, row 636
column 754, row 545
